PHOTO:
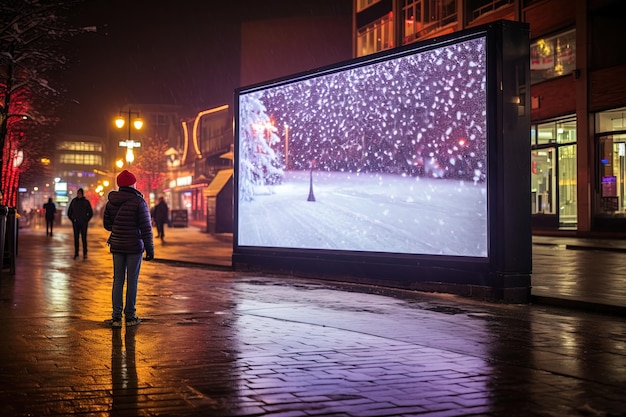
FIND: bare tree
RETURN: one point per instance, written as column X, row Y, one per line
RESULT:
column 151, row 164
column 31, row 35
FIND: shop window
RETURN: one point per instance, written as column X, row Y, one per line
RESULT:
column 552, row 56
column 612, row 175
column 559, row 131
column 611, row 162
column 542, row 163
column 376, row 37
column 554, row 170
column 567, row 197
column 611, row 121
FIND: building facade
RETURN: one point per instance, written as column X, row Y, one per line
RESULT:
column 79, row 162
column 578, row 95
column 206, row 149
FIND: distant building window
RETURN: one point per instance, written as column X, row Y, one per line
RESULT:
column 80, row 146
column 364, row 4
column 159, row 120
column 477, row 8
column 552, row 56
column 80, row 159
column 376, row 37
column 422, row 17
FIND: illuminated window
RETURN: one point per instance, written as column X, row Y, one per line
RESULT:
column 376, row 37
column 422, row 17
column 477, row 8
column 554, row 170
column 80, row 159
column 80, row 146
column 611, row 162
column 560, row 131
column 553, row 56
column 364, row 4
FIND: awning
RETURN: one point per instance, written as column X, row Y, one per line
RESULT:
column 218, row 183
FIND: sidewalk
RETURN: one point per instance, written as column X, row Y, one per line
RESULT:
column 215, row 342
column 562, row 272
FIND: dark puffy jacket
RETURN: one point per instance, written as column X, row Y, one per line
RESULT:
column 80, row 210
column 127, row 217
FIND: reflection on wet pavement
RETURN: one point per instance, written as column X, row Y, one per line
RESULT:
column 219, row 343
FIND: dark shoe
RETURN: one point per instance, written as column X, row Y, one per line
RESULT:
column 85, row 256
column 133, row 322
column 76, row 256
column 116, row 323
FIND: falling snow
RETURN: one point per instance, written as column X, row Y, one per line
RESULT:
column 408, row 119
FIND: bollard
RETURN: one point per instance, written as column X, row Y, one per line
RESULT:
column 10, row 248
column 4, row 211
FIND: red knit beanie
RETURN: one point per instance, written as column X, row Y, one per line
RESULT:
column 126, row 179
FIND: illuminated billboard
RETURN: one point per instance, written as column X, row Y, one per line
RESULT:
column 383, row 157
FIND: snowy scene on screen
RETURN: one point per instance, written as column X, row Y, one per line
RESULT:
column 390, row 157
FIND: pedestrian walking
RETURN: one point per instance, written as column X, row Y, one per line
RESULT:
column 50, row 209
column 80, row 212
column 161, row 215
column 127, row 217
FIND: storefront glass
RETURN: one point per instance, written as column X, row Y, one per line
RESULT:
column 611, row 150
column 543, row 180
column 567, row 186
column 553, row 171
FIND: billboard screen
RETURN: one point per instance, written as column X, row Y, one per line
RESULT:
column 386, row 155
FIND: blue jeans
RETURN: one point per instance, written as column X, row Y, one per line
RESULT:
column 125, row 268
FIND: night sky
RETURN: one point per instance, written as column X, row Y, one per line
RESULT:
column 156, row 52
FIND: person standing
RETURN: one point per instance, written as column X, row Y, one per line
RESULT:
column 161, row 214
column 51, row 210
column 80, row 212
column 127, row 217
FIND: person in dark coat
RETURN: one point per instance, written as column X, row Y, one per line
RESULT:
column 161, row 214
column 80, row 212
column 51, row 210
column 127, row 217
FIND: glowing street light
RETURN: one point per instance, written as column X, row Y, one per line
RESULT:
column 129, row 144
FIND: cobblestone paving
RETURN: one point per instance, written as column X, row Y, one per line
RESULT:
column 218, row 343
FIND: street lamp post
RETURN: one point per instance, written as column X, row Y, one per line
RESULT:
column 129, row 144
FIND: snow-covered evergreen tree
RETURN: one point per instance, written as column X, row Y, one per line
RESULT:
column 259, row 163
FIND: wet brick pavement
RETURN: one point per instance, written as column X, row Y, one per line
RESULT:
column 220, row 343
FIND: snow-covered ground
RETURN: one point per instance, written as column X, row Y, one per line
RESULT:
column 368, row 212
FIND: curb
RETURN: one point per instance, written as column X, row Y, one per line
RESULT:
column 581, row 247
column 579, row 305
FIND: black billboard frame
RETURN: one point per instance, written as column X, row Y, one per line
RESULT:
column 505, row 274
